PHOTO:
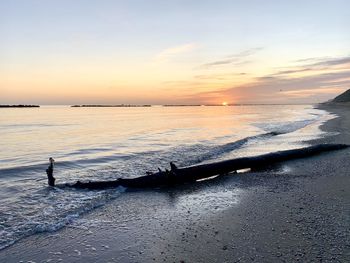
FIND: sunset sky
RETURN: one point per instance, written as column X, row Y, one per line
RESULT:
column 181, row 52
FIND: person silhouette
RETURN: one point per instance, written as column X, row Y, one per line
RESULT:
column 49, row 172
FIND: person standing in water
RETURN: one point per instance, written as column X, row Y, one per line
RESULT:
column 49, row 172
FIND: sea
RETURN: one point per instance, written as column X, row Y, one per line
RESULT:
column 102, row 143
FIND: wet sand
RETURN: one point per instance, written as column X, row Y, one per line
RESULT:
column 297, row 211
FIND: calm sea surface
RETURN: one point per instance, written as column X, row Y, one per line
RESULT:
column 107, row 143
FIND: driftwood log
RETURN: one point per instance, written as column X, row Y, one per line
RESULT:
column 196, row 172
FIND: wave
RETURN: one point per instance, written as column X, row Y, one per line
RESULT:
column 285, row 127
column 28, row 170
column 273, row 129
column 218, row 150
column 56, row 209
column 199, row 152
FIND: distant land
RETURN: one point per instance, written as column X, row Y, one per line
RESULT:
column 182, row 105
column 132, row 105
column 176, row 105
column 196, row 105
column 344, row 97
column 118, row 105
column 19, row 106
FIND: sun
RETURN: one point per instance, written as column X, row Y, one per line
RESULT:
column 224, row 103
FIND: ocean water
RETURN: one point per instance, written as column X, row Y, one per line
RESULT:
column 108, row 143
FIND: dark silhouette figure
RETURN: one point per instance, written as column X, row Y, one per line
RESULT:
column 49, row 172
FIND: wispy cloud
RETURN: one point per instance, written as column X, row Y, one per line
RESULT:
column 292, row 71
column 246, row 53
column 286, row 86
column 314, row 65
column 234, row 59
column 168, row 53
column 343, row 61
column 219, row 76
column 311, row 60
column 311, row 92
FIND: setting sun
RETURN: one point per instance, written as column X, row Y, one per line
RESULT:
column 224, row 103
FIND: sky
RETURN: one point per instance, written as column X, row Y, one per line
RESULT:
column 173, row 52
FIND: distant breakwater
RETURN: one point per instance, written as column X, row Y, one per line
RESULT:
column 118, row 105
column 19, row 106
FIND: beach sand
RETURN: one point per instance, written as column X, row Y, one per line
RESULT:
column 296, row 211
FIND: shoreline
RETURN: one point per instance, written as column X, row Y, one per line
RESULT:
column 296, row 211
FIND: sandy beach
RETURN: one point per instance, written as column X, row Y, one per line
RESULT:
column 296, row 211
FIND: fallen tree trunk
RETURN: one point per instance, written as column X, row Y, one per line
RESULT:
column 196, row 172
